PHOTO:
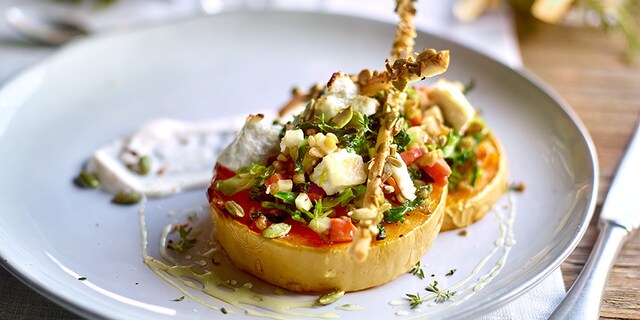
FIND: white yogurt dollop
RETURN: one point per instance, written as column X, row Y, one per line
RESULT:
column 182, row 156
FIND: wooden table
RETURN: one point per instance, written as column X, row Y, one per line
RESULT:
column 587, row 68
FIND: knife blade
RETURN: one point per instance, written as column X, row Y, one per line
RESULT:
column 620, row 216
column 622, row 205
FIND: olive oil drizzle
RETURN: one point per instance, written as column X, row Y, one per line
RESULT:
column 210, row 283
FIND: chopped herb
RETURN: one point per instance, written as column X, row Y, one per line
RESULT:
column 463, row 233
column 415, row 300
column 254, row 174
column 223, row 310
column 440, row 295
column 417, row 270
column 451, row 272
column 295, row 214
column 469, row 86
column 382, row 232
column 185, row 242
column 286, row 197
column 343, row 198
column 179, row 299
column 401, row 139
column 397, row 214
column 82, row 278
column 415, row 174
column 193, row 217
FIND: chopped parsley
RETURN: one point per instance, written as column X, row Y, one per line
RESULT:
column 179, row 299
column 451, row 272
column 397, row 213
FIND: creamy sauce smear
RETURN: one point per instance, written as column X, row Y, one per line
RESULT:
column 209, row 282
column 181, row 155
column 466, row 288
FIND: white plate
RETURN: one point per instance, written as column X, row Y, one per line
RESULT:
column 55, row 114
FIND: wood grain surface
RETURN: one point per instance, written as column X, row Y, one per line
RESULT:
column 588, row 69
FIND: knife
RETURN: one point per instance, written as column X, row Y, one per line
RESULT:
column 620, row 216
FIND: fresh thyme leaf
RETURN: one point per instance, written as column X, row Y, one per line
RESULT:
column 451, row 272
column 415, row 300
column 440, row 296
column 469, row 86
column 179, row 299
column 417, row 270
column 185, row 242
column 193, row 217
column 82, row 278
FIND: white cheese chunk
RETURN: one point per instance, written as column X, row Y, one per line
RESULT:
column 291, row 139
column 303, row 202
column 342, row 93
column 255, row 142
column 404, row 181
column 457, row 110
column 338, row 171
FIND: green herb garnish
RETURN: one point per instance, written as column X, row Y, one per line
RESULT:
column 441, row 296
column 417, row 270
column 397, row 214
column 179, row 299
column 185, row 242
column 415, row 300
column 451, row 272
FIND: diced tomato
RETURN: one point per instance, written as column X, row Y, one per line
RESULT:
column 341, row 230
column 316, row 193
column 439, row 172
column 273, row 179
column 416, row 120
column 411, row 156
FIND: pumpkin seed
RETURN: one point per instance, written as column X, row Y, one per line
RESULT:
column 88, row 179
column 276, row 230
column 131, row 197
column 144, row 165
column 330, row 297
column 394, row 162
column 234, row 209
column 342, row 118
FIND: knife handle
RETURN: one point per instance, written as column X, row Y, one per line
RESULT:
column 585, row 296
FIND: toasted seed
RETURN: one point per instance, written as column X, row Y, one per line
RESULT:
column 234, row 209
column 394, row 162
column 131, row 197
column 276, row 230
column 330, row 297
column 342, row 118
column 88, row 179
column 144, row 165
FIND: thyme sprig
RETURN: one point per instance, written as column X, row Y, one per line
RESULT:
column 441, row 296
column 417, row 270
